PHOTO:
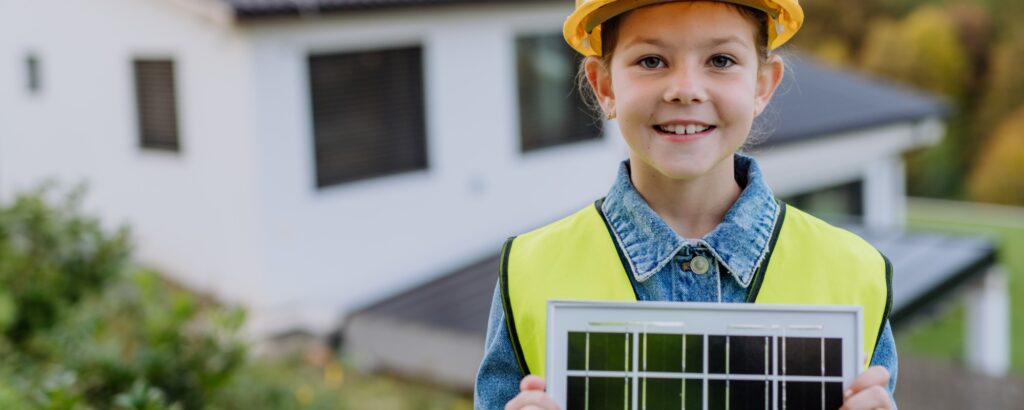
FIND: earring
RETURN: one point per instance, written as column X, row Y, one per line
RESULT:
column 610, row 116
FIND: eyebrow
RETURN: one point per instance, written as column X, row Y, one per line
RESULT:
column 714, row 42
column 717, row 41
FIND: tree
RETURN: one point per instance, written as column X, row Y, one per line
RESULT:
column 924, row 50
column 831, row 23
column 1004, row 84
column 998, row 176
column 921, row 50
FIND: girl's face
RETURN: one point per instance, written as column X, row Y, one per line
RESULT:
column 685, row 83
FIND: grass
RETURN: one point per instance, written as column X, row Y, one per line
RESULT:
column 330, row 385
column 942, row 336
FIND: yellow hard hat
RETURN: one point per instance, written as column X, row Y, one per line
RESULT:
column 583, row 27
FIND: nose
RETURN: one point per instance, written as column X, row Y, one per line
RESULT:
column 686, row 86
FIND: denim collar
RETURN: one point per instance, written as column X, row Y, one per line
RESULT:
column 739, row 243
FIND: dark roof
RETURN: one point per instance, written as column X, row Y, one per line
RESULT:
column 928, row 267
column 457, row 301
column 266, row 8
column 817, row 101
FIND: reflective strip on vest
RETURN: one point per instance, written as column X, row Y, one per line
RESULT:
column 576, row 258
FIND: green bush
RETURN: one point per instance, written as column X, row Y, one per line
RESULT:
column 51, row 256
column 81, row 328
column 144, row 330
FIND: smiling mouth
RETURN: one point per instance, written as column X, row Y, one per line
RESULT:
column 680, row 129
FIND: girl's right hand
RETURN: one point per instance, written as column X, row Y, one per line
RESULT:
column 531, row 396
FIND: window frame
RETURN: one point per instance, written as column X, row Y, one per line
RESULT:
column 147, row 142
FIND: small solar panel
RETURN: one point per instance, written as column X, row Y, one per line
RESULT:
column 673, row 355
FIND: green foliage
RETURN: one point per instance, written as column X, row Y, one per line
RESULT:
column 926, row 51
column 82, row 329
column 1004, row 83
column 147, row 338
column 836, row 22
column 143, row 397
column 295, row 383
column 79, row 333
column 922, row 50
column 51, row 256
column 998, row 176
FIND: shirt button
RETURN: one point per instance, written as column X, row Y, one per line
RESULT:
column 700, row 264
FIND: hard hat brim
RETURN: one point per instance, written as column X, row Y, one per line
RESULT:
column 582, row 27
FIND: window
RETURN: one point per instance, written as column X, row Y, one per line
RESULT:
column 837, row 201
column 32, row 73
column 551, row 111
column 368, row 114
column 157, row 104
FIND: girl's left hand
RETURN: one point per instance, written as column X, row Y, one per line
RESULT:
column 869, row 391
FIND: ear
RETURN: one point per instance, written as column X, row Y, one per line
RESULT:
column 769, row 77
column 600, row 78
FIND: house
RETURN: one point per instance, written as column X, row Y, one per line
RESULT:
column 312, row 159
column 224, row 135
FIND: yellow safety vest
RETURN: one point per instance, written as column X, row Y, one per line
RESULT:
column 808, row 261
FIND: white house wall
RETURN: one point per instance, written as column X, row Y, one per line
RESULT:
column 340, row 247
column 191, row 212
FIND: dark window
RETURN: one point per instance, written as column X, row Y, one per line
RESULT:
column 551, row 111
column 368, row 114
column 157, row 104
column 32, row 70
column 837, row 201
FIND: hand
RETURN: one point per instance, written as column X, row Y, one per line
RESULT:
column 869, row 391
column 532, row 397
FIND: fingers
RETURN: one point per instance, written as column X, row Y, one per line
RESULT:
column 532, row 400
column 871, row 398
column 531, row 383
column 873, row 376
column 868, row 391
column 532, row 396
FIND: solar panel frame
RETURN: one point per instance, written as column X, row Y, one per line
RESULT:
column 736, row 323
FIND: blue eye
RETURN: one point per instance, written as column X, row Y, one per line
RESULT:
column 721, row 61
column 651, row 62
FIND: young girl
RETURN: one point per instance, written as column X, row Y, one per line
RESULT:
column 688, row 218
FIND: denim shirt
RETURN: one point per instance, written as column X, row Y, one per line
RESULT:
column 656, row 254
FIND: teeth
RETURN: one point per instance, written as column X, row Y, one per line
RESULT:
column 683, row 129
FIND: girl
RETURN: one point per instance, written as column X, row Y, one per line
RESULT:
column 688, row 218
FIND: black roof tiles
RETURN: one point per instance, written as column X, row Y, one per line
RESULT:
column 266, row 8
